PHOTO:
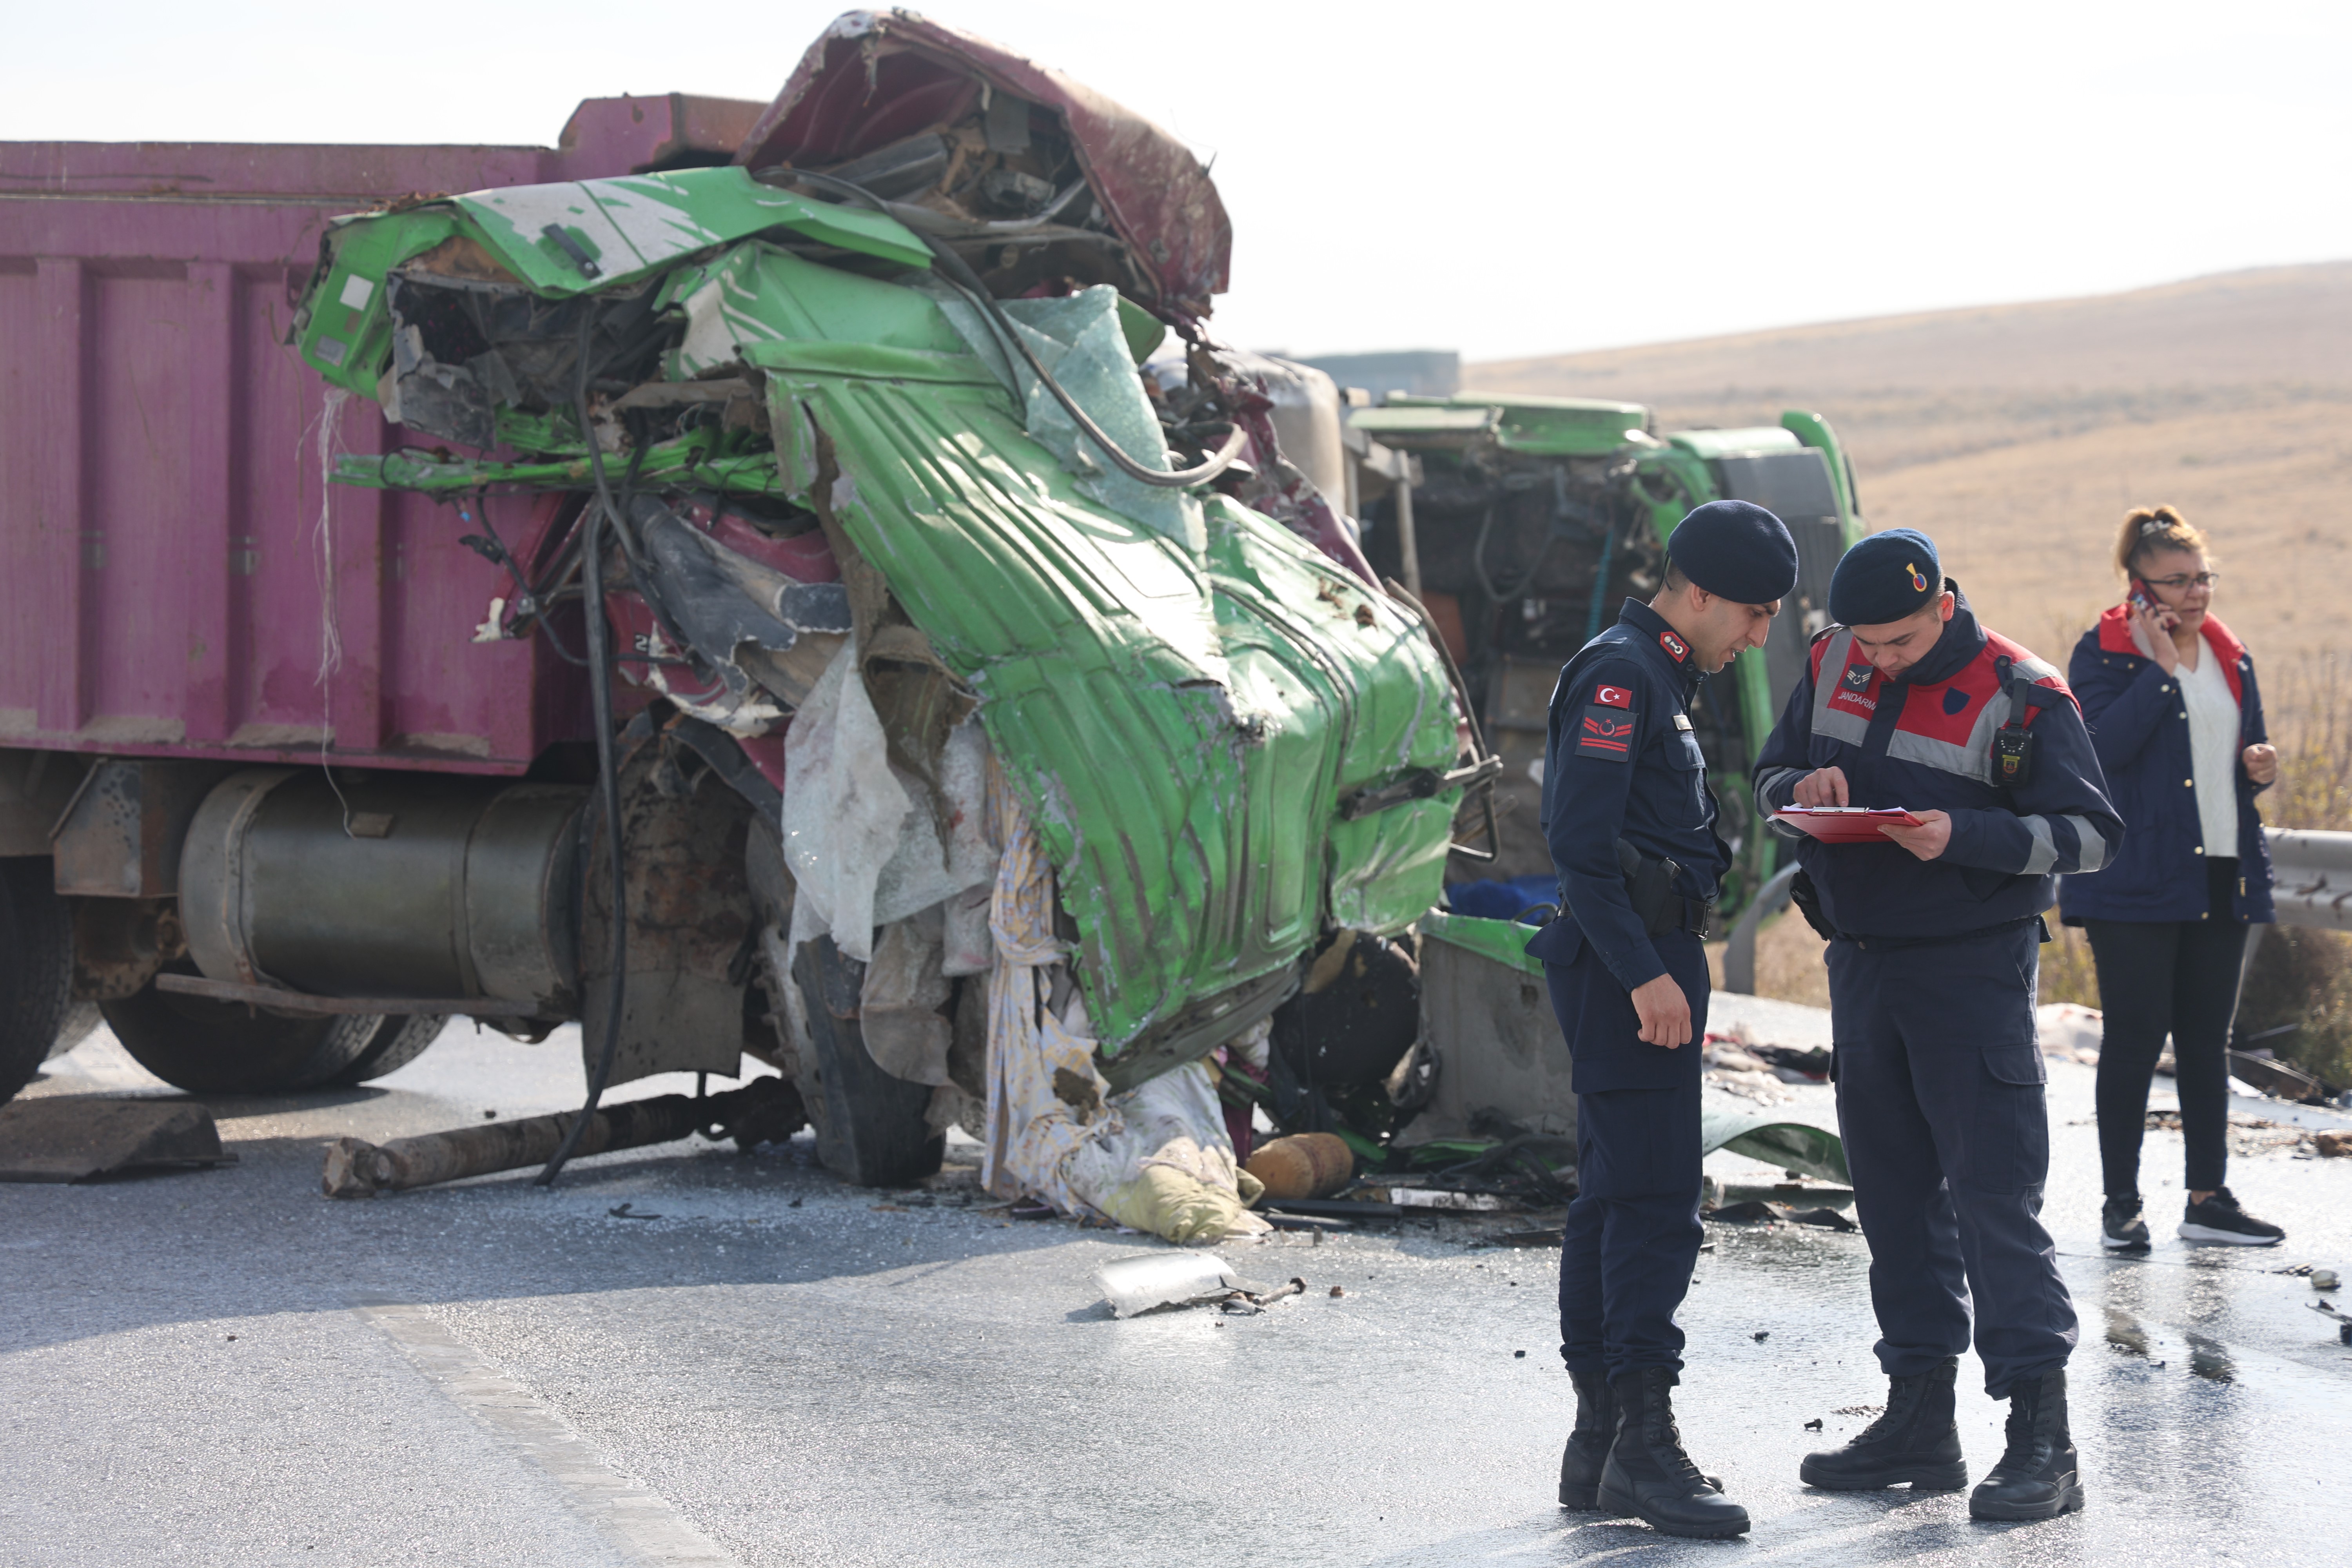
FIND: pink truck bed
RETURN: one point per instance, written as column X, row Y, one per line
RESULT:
column 166, row 587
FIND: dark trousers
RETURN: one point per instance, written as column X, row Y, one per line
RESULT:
column 1632, row 1234
column 2177, row 978
column 1940, row 1102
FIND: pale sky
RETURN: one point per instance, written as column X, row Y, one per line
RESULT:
column 1504, row 179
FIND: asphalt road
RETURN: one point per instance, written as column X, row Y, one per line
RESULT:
column 223, row 1367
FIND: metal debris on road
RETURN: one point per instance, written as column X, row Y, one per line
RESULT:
column 1133, row 1286
column 765, row 1111
column 1757, row 1213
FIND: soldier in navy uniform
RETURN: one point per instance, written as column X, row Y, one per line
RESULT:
column 1631, row 822
column 1909, row 702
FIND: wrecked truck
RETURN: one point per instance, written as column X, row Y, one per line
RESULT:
column 1523, row 522
column 727, row 580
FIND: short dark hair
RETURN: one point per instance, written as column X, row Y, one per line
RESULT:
column 1675, row 580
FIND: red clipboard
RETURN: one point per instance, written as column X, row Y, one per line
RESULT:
column 1846, row 823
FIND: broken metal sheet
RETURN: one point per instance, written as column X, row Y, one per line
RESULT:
column 1133, row 1285
column 71, row 1138
column 1537, row 427
column 728, row 606
column 559, row 241
column 757, row 294
column 1243, row 701
column 877, row 77
column 1081, row 341
column 1729, row 1122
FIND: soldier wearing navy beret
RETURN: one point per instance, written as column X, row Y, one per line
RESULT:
column 1630, row 823
column 1909, row 702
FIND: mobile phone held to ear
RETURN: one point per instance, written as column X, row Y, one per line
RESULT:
column 2142, row 599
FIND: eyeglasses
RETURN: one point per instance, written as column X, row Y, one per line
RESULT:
column 2199, row 580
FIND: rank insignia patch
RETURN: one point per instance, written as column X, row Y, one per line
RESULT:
column 1857, row 676
column 1676, row 649
column 1605, row 733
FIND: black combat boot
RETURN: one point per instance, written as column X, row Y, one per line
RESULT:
column 1649, row 1476
column 2038, row 1476
column 1915, row 1441
column 1587, row 1444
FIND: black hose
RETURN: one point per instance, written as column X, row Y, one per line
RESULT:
column 965, row 281
column 608, row 785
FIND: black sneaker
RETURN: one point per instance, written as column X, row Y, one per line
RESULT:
column 2121, row 1228
column 2219, row 1218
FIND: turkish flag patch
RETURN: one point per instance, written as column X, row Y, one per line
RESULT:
column 1605, row 733
column 1613, row 696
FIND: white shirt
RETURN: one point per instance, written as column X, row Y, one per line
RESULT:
column 2213, row 749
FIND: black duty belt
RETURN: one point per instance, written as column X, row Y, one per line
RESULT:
column 1893, row 944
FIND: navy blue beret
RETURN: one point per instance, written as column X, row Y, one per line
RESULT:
column 1884, row 578
column 1737, row 551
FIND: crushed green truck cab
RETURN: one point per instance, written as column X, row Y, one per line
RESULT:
column 1230, row 742
column 1525, row 521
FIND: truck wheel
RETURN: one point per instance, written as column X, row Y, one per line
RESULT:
column 36, row 968
column 869, row 1126
column 226, row 1047
column 398, row 1041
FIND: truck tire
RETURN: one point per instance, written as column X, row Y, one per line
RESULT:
column 398, row 1041
column 226, row 1048
column 36, row 968
column 871, row 1127
column 82, row 1021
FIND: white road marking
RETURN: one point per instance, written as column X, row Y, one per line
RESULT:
column 638, row 1521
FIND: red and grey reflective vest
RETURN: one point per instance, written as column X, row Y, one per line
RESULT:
column 1931, row 739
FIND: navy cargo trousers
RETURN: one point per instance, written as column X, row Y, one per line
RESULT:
column 1940, row 1097
column 1632, row 1234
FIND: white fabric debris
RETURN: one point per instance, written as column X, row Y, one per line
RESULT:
column 860, row 836
column 1157, row 1158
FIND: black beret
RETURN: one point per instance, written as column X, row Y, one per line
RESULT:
column 1884, row 578
column 1737, row 551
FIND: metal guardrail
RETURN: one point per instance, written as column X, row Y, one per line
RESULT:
column 2313, row 878
column 1739, row 952
column 2312, row 886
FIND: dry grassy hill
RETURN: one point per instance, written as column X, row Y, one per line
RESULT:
column 2018, row 435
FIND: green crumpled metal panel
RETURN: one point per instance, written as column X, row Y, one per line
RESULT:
column 1181, row 730
column 1079, row 339
column 630, row 228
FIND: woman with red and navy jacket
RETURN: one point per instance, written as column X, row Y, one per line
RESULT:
column 2177, row 722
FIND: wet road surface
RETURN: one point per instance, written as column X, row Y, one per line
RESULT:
column 224, row 1368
